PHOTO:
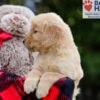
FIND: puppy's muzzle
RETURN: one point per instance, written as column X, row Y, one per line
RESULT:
column 23, row 41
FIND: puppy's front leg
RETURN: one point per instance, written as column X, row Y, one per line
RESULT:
column 31, row 81
column 46, row 81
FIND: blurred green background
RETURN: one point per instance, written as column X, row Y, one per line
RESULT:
column 86, row 33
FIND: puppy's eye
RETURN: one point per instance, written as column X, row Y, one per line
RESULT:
column 35, row 31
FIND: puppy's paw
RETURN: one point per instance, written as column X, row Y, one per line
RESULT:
column 42, row 92
column 29, row 85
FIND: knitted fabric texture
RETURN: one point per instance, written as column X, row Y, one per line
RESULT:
column 14, row 57
column 7, row 9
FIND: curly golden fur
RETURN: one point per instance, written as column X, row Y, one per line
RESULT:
column 58, row 55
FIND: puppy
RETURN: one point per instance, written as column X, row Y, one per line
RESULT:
column 58, row 55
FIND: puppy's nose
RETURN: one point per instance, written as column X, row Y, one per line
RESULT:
column 23, row 41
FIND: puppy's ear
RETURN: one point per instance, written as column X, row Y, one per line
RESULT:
column 53, row 34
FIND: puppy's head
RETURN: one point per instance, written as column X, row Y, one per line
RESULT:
column 46, row 32
column 15, row 24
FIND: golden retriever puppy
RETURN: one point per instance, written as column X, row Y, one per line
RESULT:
column 58, row 55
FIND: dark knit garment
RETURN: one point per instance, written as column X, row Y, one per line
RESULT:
column 11, row 88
